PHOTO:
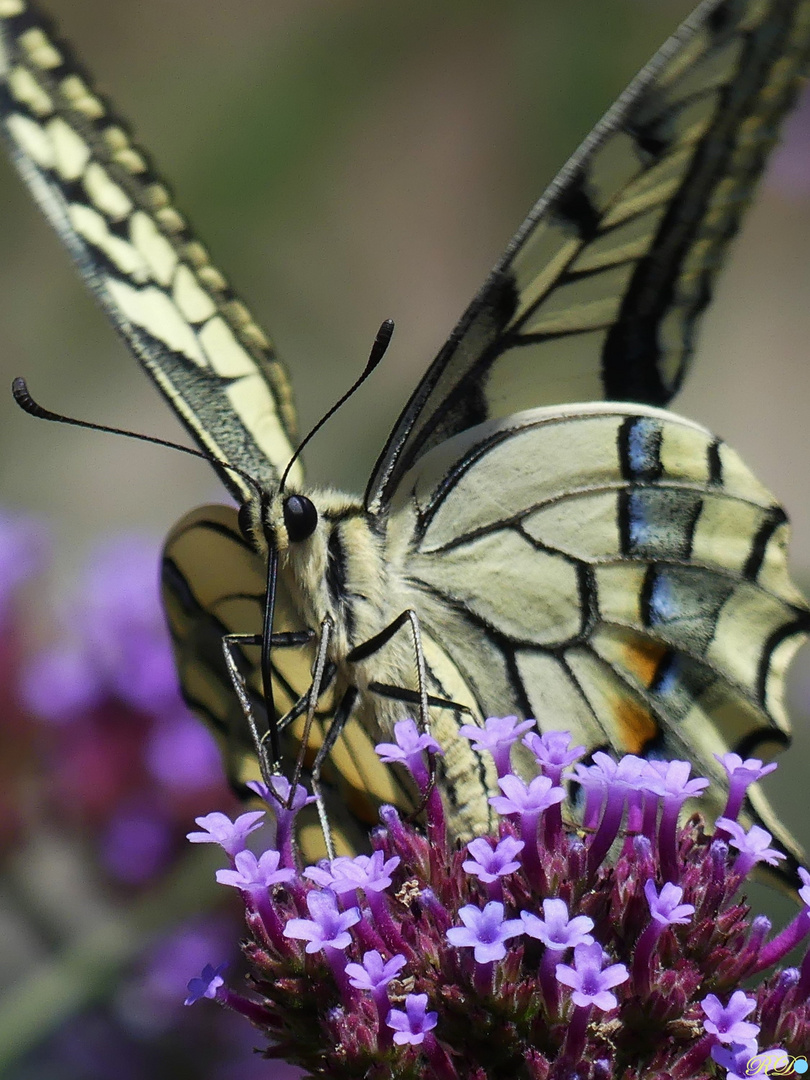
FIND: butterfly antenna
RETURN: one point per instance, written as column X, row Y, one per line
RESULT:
column 22, row 396
column 378, row 350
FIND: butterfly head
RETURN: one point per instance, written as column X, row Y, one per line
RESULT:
column 281, row 521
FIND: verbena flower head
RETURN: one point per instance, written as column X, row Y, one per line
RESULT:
column 548, row 951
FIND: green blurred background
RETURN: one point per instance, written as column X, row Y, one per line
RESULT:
column 351, row 161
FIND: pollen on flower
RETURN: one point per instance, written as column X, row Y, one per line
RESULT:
column 618, row 947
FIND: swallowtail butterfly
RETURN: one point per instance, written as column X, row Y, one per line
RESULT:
column 563, row 546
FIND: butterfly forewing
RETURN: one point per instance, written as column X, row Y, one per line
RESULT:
column 214, row 365
column 598, row 294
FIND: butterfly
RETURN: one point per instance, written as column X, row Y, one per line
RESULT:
column 539, row 534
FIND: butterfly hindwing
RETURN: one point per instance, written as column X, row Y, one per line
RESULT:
column 213, row 584
column 612, row 569
column 200, row 344
column 599, row 292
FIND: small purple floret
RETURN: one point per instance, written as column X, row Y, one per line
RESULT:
column 409, row 743
column 753, row 845
column 346, row 874
column 486, row 931
column 553, row 752
column 375, row 973
column 488, row 863
column 230, row 835
column 329, row 926
column 556, row 930
column 497, row 736
column 666, row 908
column 206, row 984
column 521, row 798
column 251, row 873
column 412, row 1025
column 592, row 985
column 728, row 1022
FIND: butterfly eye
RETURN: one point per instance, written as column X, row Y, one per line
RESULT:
column 300, row 517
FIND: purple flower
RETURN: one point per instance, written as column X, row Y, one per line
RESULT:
column 345, row 874
column 668, row 942
column 488, row 863
column 741, row 774
column 670, row 780
column 553, row 752
column 230, row 835
column 752, row 845
column 286, row 805
column 375, row 973
column 728, row 1022
column 61, row 684
column 137, row 842
column 497, row 737
column 525, row 799
column 414, row 1023
column 529, row 802
column 409, row 743
column 328, row 927
column 667, row 908
column 485, row 931
column 182, row 738
column 278, row 794
column 252, row 874
column 592, row 985
column 121, row 622
column 556, row 930
column 206, row 984
column 409, row 750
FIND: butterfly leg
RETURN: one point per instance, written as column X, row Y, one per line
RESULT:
column 374, row 644
column 399, row 693
column 230, row 642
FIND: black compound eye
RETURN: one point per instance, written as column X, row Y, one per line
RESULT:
column 300, row 517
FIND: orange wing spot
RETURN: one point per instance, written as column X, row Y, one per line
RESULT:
column 635, row 727
column 641, row 658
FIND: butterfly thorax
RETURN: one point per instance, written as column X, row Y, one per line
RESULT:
column 339, row 573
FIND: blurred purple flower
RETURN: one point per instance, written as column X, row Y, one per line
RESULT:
column 24, row 549
column 137, row 843
column 182, row 738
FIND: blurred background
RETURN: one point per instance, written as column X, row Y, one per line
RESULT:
column 345, row 163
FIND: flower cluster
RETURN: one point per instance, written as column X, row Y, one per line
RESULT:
column 613, row 949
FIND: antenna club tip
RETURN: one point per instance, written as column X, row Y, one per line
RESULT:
column 19, row 390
